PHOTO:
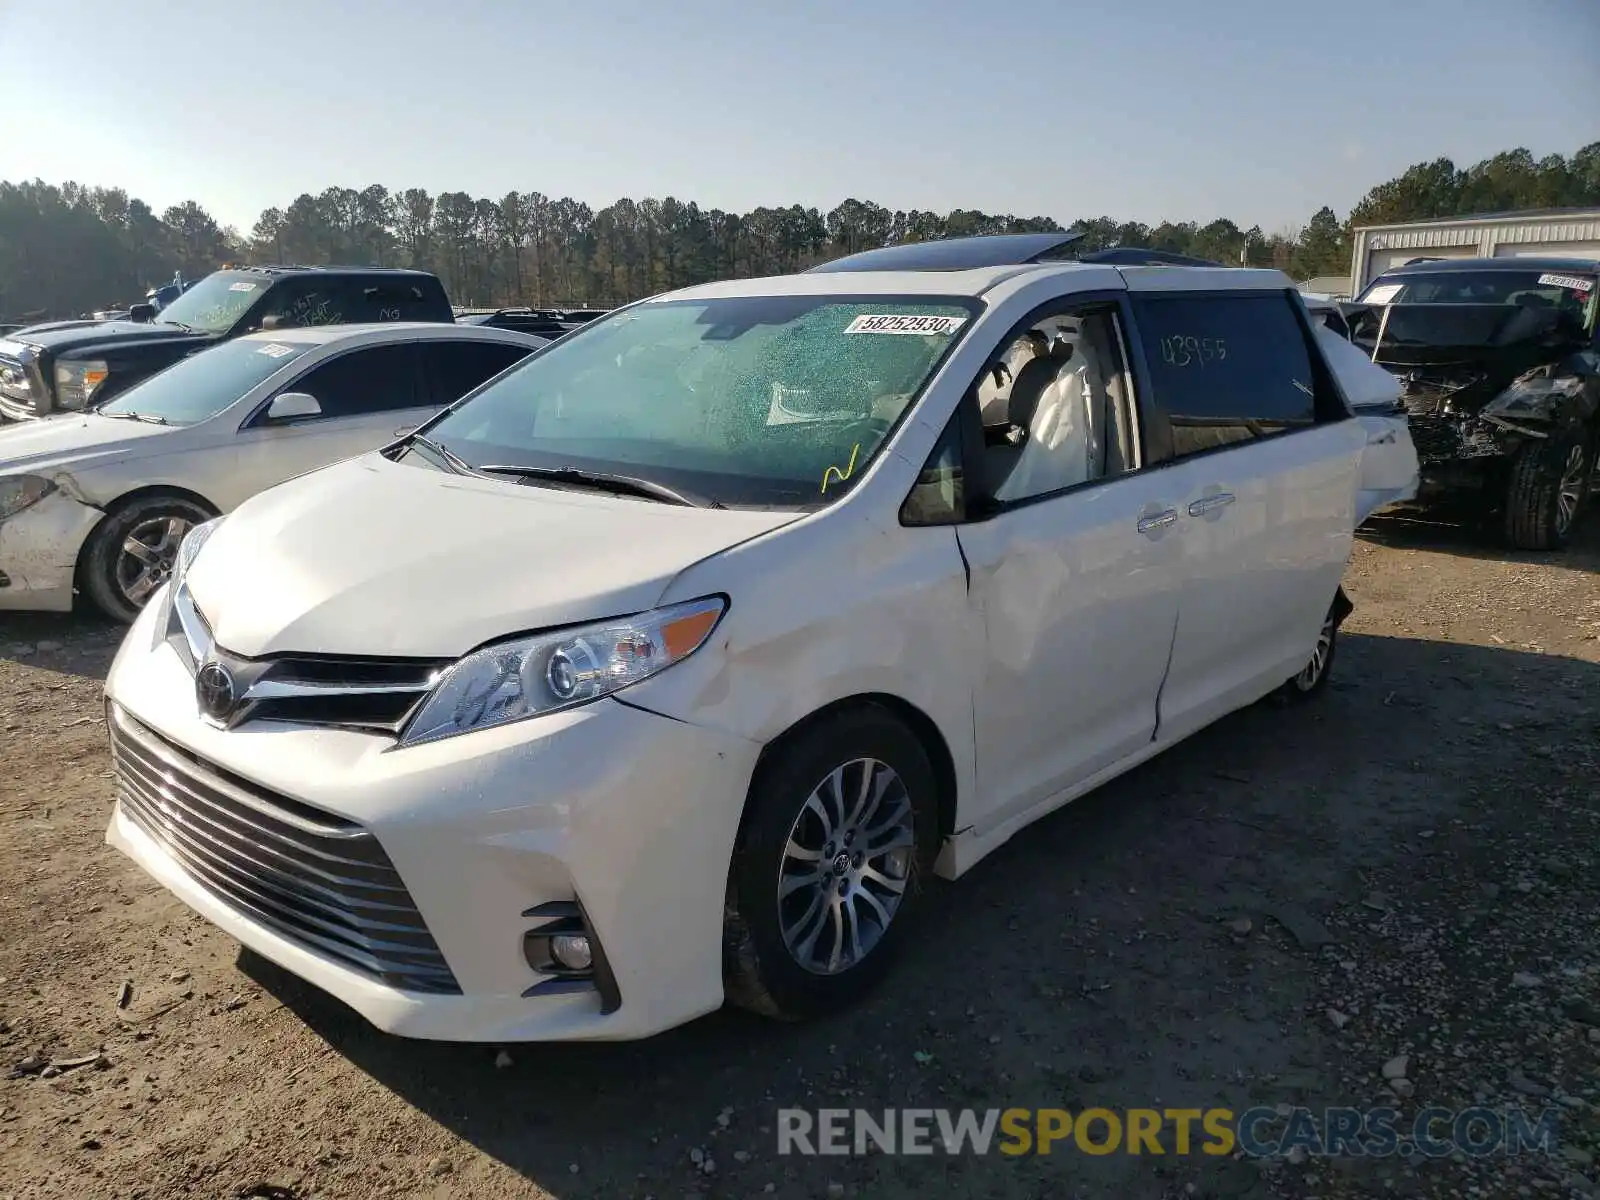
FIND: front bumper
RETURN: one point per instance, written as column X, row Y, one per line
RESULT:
column 627, row 812
column 39, row 550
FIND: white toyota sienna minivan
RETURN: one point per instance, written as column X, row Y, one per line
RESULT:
column 666, row 667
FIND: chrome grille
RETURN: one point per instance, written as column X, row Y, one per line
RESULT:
column 316, row 878
column 372, row 694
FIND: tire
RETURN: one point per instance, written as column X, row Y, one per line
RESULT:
column 1545, row 496
column 119, row 580
column 793, row 957
column 1312, row 679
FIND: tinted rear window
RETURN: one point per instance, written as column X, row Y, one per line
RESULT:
column 1226, row 369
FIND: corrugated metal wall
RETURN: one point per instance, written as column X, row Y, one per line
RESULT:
column 1480, row 237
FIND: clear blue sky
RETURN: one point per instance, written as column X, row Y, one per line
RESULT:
column 1259, row 110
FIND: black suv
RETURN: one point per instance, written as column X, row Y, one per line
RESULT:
column 1499, row 363
column 68, row 366
column 540, row 322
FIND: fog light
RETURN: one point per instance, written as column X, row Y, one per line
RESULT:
column 571, row 950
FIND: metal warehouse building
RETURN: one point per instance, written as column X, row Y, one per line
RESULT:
column 1573, row 232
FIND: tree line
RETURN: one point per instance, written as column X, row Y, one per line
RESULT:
column 68, row 249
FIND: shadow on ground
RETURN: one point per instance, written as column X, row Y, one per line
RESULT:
column 71, row 643
column 1470, row 539
column 1087, row 962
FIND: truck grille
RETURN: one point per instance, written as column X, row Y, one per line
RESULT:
column 304, row 873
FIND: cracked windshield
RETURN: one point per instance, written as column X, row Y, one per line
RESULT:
column 769, row 402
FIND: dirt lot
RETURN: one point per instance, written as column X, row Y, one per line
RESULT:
column 1433, row 821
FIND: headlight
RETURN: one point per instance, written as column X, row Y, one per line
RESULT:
column 18, row 492
column 189, row 548
column 16, row 381
column 1534, row 390
column 77, row 382
column 184, row 619
column 531, row 676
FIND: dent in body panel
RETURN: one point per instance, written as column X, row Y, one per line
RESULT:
column 39, row 546
column 823, row 612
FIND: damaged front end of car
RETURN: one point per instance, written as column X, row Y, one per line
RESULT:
column 1480, row 382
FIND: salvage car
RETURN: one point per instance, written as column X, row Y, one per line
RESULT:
column 71, row 366
column 1500, row 364
column 666, row 668
column 100, row 502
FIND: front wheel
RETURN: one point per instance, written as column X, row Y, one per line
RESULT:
column 131, row 552
column 839, row 830
column 1549, row 483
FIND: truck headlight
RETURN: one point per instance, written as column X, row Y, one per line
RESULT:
column 528, row 677
column 77, row 382
column 19, row 492
column 17, row 379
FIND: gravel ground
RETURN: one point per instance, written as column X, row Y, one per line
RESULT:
column 1387, row 897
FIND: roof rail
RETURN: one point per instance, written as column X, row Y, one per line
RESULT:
column 1138, row 256
column 956, row 254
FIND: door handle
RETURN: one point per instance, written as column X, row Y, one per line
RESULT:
column 1208, row 504
column 1152, row 525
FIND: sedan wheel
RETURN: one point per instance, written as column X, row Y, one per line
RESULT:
column 845, row 866
column 132, row 552
column 149, row 553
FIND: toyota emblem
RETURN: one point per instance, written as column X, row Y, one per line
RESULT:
column 214, row 689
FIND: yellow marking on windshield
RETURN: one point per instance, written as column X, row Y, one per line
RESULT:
column 849, row 469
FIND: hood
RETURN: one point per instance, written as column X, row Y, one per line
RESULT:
column 68, row 443
column 1469, row 353
column 374, row 558
column 72, row 335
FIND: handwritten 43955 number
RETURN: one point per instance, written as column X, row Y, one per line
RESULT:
column 1181, row 350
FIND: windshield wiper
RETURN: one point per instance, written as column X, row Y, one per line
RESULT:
column 181, row 325
column 622, row 485
column 452, row 460
column 147, row 418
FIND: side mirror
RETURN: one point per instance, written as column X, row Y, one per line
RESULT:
column 293, row 406
column 269, row 323
column 142, row 313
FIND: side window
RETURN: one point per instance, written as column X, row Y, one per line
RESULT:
column 385, row 301
column 939, row 495
column 304, row 302
column 455, row 368
column 1228, row 369
column 1057, row 408
column 374, row 380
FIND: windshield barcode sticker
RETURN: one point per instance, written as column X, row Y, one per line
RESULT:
column 275, row 350
column 1383, row 293
column 241, row 287
column 1576, row 282
column 893, row 323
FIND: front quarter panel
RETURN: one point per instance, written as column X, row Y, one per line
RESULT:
column 829, row 608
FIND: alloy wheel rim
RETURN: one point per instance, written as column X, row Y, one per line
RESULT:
column 1569, row 493
column 149, row 553
column 845, row 866
column 1307, row 679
